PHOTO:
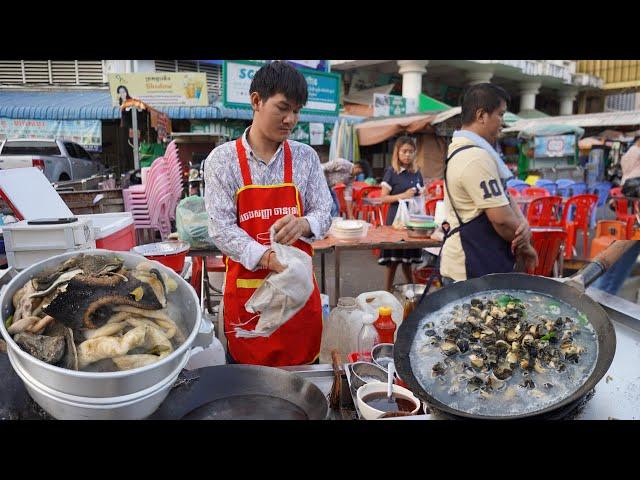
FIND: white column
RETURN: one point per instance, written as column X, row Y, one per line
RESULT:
column 528, row 92
column 567, row 97
column 480, row 76
column 412, row 71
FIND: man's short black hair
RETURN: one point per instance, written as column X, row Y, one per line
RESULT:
column 486, row 96
column 280, row 77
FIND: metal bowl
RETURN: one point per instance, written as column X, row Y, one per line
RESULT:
column 365, row 372
column 420, row 232
column 103, row 384
column 382, row 355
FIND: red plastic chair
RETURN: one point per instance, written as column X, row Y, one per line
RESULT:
column 339, row 190
column 358, row 195
column 622, row 209
column 372, row 213
column 436, row 188
column 513, row 192
column 583, row 204
column 544, row 211
column 607, row 231
column 430, row 205
column 548, row 243
column 535, row 192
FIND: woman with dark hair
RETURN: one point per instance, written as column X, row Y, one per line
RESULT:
column 123, row 94
column 401, row 181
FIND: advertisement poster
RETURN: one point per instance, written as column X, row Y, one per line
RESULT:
column 160, row 88
column 555, row 146
column 389, row 105
column 87, row 133
column 323, row 88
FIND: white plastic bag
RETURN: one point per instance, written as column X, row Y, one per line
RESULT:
column 281, row 295
column 416, row 206
column 402, row 215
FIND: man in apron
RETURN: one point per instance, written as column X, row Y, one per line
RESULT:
column 262, row 180
column 488, row 231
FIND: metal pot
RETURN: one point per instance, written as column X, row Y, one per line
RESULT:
column 103, row 384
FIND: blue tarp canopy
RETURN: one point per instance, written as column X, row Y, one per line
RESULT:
column 96, row 105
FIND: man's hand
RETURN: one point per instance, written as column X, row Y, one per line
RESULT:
column 529, row 255
column 270, row 261
column 290, row 228
column 522, row 237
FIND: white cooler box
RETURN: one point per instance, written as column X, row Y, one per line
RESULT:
column 28, row 244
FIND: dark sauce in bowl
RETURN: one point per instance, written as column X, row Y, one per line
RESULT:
column 379, row 401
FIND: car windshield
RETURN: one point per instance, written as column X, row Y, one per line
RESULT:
column 30, row 148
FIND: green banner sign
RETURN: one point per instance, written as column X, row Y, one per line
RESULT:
column 323, row 88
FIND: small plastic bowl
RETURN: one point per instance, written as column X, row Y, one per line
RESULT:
column 169, row 254
column 370, row 413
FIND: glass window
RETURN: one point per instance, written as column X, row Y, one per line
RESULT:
column 30, row 148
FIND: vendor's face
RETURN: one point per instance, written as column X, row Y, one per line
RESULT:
column 357, row 170
column 406, row 154
column 493, row 122
column 123, row 93
column 276, row 117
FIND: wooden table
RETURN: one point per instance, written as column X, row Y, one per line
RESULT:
column 383, row 237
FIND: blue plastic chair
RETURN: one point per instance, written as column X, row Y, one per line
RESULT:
column 549, row 185
column 564, row 187
column 602, row 190
column 578, row 188
column 513, row 182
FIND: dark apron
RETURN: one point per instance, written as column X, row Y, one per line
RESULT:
column 485, row 251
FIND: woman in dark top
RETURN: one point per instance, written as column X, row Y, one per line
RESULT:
column 402, row 180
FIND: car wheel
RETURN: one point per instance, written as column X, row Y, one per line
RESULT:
column 64, row 177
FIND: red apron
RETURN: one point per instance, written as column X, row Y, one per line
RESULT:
column 296, row 342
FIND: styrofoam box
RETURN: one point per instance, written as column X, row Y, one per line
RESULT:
column 27, row 244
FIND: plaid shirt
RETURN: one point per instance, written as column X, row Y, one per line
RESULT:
column 223, row 178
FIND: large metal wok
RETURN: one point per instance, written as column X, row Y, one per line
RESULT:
column 571, row 293
column 244, row 392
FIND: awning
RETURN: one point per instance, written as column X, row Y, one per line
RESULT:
column 607, row 119
column 96, row 105
column 376, row 131
column 428, row 104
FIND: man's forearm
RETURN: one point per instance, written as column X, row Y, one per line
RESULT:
column 505, row 222
column 516, row 209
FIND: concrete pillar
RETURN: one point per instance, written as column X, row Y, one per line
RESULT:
column 412, row 71
column 528, row 92
column 480, row 76
column 567, row 97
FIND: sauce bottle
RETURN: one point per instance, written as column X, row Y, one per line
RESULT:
column 409, row 304
column 385, row 325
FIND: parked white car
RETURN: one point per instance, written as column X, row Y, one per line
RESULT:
column 59, row 160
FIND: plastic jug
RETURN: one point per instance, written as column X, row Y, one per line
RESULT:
column 341, row 329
